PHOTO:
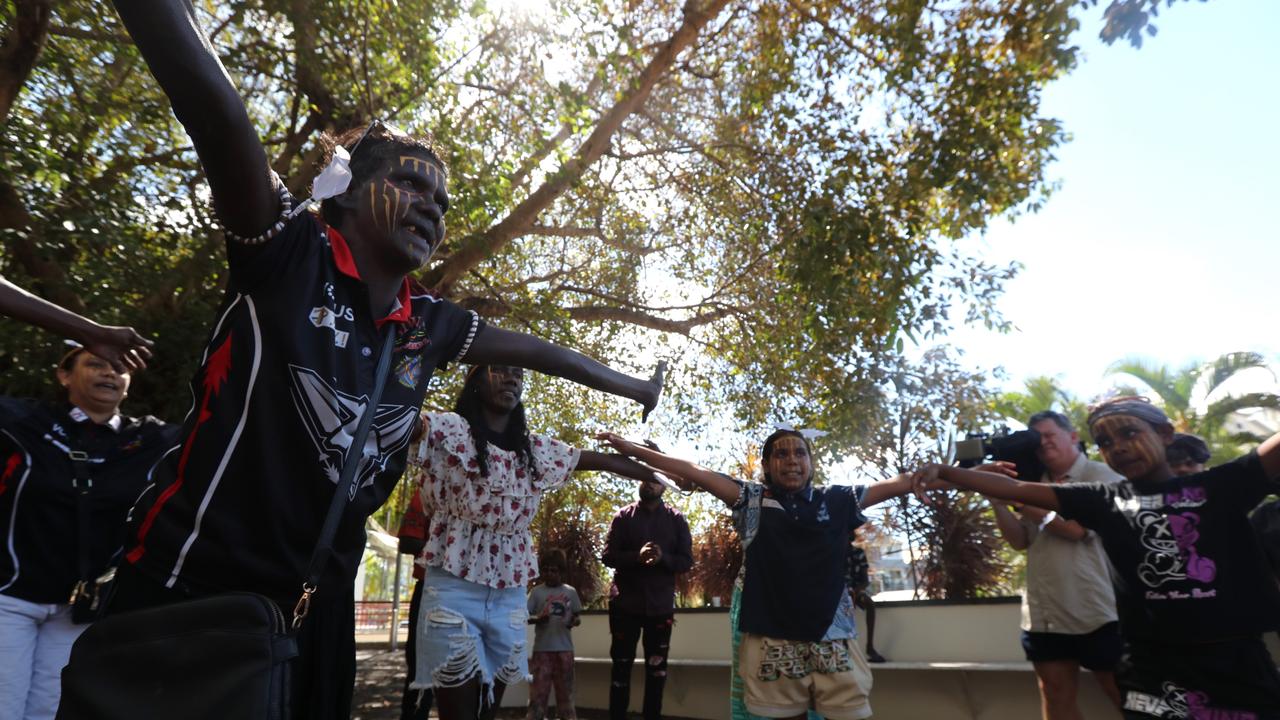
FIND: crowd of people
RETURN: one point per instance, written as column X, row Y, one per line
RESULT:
column 105, row 514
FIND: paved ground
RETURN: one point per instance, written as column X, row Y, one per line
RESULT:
column 380, row 678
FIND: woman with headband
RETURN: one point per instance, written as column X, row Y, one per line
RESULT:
column 1193, row 596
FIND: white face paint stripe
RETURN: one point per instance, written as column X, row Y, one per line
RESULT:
column 13, row 516
column 231, row 446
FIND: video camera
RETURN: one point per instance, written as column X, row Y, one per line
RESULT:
column 1017, row 447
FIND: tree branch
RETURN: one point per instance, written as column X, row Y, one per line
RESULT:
column 476, row 248
column 599, row 313
column 579, row 232
column 24, row 247
column 75, row 33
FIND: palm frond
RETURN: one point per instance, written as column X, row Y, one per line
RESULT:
column 1225, row 366
column 1218, row 411
column 1163, row 382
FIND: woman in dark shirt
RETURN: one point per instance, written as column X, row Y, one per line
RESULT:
column 49, row 542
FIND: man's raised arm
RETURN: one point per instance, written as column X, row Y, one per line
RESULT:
column 207, row 104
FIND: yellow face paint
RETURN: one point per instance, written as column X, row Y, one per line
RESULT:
column 412, row 182
column 1131, row 446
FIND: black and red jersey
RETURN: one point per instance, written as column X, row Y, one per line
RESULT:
column 39, row 542
column 282, row 384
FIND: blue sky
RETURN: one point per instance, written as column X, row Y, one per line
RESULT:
column 1162, row 241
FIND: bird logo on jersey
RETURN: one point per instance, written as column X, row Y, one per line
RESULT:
column 331, row 417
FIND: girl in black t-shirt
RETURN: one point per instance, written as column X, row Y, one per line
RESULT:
column 1194, row 599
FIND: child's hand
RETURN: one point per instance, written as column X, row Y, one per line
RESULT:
column 1000, row 467
column 575, row 621
column 617, row 442
column 926, row 480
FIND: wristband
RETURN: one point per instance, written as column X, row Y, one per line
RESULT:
column 1048, row 519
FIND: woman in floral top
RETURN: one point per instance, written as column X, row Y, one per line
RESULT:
column 484, row 477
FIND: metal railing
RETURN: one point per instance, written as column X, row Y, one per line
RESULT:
column 375, row 615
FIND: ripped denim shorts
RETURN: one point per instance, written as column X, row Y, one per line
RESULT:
column 467, row 629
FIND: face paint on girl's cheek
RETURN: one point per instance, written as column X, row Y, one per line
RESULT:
column 786, row 449
column 1144, row 448
column 1149, row 448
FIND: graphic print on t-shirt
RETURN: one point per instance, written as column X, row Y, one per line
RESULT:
column 557, row 605
column 1170, row 539
column 1178, row 703
column 331, row 417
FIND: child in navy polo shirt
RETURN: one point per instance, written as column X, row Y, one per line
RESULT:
column 290, row 361
column 798, row 650
column 1193, row 595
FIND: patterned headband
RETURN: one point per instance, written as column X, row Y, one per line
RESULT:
column 1133, row 406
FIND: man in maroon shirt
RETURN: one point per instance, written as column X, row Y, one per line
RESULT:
column 648, row 545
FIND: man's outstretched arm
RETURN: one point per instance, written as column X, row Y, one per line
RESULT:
column 495, row 346
column 125, row 349
column 207, row 104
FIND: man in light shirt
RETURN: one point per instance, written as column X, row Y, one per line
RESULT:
column 1069, row 615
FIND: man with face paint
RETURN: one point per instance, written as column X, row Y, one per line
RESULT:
column 647, row 546
column 1193, row 596
column 1069, row 616
column 290, row 364
column 798, row 650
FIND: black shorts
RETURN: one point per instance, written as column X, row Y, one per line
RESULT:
column 1099, row 650
column 1234, row 679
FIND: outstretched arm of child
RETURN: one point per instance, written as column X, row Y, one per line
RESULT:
column 991, row 484
column 713, row 482
column 495, row 346
column 207, row 104
column 886, row 490
column 123, row 347
column 590, row 460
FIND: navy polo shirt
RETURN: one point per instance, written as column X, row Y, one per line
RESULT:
column 39, row 557
column 796, row 564
column 282, row 384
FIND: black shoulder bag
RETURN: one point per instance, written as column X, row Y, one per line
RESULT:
column 88, row 592
column 222, row 656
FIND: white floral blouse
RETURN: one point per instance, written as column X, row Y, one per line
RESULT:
column 479, row 526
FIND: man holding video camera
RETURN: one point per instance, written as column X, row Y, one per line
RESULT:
column 1069, row 616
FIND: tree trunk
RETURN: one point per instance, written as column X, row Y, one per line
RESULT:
column 20, row 49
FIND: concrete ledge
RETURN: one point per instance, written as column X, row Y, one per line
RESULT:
column 942, row 666
column 671, row 662
column 960, row 666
